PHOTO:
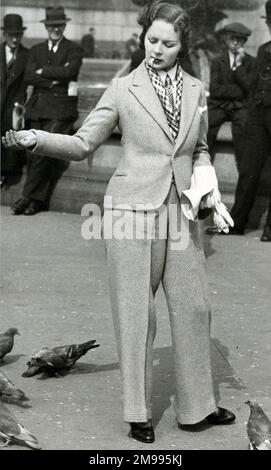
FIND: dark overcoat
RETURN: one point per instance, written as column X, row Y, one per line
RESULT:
column 263, row 51
column 51, row 101
column 13, row 85
column 13, row 89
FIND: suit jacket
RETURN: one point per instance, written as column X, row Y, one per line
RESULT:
column 13, row 86
column 52, row 101
column 228, row 88
column 150, row 156
column 262, row 51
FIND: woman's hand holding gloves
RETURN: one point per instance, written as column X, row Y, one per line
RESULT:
column 204, row 193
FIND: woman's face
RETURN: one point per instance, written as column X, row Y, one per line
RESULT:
column 162, row 45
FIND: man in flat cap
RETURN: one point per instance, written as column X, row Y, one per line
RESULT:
column 52, row 70
column 258, row 140
column 13, row 90
column 230, row 80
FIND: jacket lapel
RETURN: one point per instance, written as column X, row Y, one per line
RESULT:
column 226, row 61
column 3, row 68
column 60, row 50
column 189, row 104
column 144, row 92
column 18, row 68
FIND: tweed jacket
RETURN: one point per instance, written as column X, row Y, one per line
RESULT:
column 51, row 101
column 150, row 157
column 13, row 86
column 230, row 89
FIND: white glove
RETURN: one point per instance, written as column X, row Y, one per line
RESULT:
column 222, row 218
column 211, row 199
column 204, row 193
column 203, row 182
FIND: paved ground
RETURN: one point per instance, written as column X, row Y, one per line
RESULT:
column 54, row 290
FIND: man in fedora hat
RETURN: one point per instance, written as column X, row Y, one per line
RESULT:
column 229, row 87
column 52, row 70
column 258, row 139
column 13, row 90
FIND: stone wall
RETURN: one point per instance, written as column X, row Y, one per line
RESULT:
column 114, row 21
column 111, row 24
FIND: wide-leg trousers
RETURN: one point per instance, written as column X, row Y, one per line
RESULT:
column 136, row 268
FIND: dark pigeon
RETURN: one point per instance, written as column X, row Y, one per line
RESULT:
column 53, row 360
column 7, row 342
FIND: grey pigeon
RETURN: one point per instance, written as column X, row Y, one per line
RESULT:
column 53, row 360
column 258, row 427
column 7, row 341
column 8, row 391
column 12, row 432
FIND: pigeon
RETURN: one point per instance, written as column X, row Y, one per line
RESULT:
column 53, row 360
column 12, row 432
column 7, row 341
column 258, row 427
column 8, row 391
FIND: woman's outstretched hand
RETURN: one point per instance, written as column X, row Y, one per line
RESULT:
column 19, row 140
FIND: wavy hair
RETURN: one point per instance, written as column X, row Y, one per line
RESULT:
column 171, row 12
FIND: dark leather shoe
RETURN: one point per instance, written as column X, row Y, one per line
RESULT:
column 221, row 416
column 20, row 206
column 232, row 231
column 266, row 235
column 142, row 432
column 236, row 231
column 34, row 207
column 212, row 230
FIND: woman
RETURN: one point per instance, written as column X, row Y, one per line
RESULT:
column 164, row 143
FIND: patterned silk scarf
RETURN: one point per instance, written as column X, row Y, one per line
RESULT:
column 164, row 92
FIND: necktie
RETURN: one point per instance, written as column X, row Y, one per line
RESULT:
column 234, row 64
column 12, row 57
column 171, row 109
column 51, row 52
column 169, row 92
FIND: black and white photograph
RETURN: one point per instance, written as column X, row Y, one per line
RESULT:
column 135, row 229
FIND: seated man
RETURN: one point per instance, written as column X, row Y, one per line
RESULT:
column 257, row 142
column 230, row 80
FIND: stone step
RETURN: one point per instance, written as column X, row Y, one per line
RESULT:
column 85, row 182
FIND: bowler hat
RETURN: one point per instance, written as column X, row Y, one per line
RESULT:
column 55, row 15
column 268, row 10
column 237, row 29
column 13, row 23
